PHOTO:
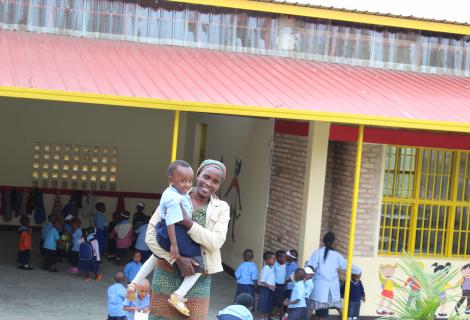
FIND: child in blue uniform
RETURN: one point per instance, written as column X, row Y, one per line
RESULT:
column 267, row 285
column 174, row 204
column 116, row 297
column 131, row 269
column 141, row 302
column 241, row 310
column 297, row 304
column 247, row 275
column 76, row 239
column 280, row 273
column 50, row 247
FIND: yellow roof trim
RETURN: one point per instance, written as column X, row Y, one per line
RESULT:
column 253, row 111
column 335, row 14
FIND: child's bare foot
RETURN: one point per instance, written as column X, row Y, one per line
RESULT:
column 99, row 277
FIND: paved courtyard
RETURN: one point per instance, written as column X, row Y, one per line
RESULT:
column 41, row 295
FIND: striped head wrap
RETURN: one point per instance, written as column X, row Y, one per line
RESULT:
column 213, row 164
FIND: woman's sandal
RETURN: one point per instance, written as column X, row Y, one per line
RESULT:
column 178, row 304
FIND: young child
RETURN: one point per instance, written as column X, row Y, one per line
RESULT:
column 46, row 228
column 280, row 274
column 356, row 294
column 141, row 302
column 247, row 275
column 308, row 282
column 100, row 225
column 174, row 238
column 140, row 244
column 116, row 298
column 24, row 244
column 267, row 285
column 50, row 246
column 123, row 234
column 76, row 239
column 89, row 254
column 241, row 310
column 133, row 267
column 296, row 304
column 291, row 266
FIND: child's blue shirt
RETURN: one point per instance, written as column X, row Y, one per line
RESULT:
column 298, row 293
column 170, row 209
column 267, row 275
column 280, row 273
column 141, row 303
column 116, row 297
column 100, row 220
column 50, row 242
column 247, row 273
column 131, row 269
column 45, row 230
column 76, row 236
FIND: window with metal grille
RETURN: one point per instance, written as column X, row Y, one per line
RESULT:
column 426, row 202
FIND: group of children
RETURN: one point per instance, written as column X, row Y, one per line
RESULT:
column 284, row 288
column 124, row 306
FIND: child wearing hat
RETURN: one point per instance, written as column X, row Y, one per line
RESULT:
column 123, row 234
column 356, row 294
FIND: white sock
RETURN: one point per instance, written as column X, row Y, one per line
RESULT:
column 187, row 284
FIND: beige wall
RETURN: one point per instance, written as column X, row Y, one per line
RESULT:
column 143, row 137
column 249, row 140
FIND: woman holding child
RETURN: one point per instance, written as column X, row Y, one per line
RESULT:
column 207, row 227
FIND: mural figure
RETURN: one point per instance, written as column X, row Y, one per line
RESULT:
column 413, row 286
column 386, row 274
column 236, row 207
column 464, row 284
column 441, row 312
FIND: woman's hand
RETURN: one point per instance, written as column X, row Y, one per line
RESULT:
column 186, row 266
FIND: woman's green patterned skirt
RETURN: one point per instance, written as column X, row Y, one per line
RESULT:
column 167, row 279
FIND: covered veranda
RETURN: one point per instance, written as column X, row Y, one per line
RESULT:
column 183, row 80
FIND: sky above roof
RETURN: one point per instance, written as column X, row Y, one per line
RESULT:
column 450, row 10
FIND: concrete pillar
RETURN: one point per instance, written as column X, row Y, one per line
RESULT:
column 314, row 186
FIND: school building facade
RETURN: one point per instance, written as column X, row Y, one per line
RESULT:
column 100, row 95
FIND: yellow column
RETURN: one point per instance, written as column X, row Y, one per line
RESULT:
column 352, row 230
column 314, row 187
column 174, row 146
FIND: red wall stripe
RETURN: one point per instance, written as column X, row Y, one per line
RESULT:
column 382, row 135
column 115, row 194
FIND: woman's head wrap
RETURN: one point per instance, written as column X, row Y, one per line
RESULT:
column 213, row 164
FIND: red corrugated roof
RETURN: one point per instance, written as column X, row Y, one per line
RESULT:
column 41, row 61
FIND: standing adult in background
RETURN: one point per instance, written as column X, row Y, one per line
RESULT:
column 326, row 262
column 208, row 227
column 100, row 225
column 139, row 216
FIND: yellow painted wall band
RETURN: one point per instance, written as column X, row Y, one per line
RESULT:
column 253, row 111
column 334, row 14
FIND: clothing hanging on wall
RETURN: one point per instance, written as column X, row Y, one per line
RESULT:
column 77, row 197
column 29, row 206
column 7, row 212
column 40, row 211
column 57, row 206
column 120, row 206
column 2, row 201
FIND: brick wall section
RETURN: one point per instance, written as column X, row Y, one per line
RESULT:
column 286, row 192
column 342, row 181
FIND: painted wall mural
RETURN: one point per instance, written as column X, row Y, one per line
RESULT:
column 236, row 203
column 384, row 281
